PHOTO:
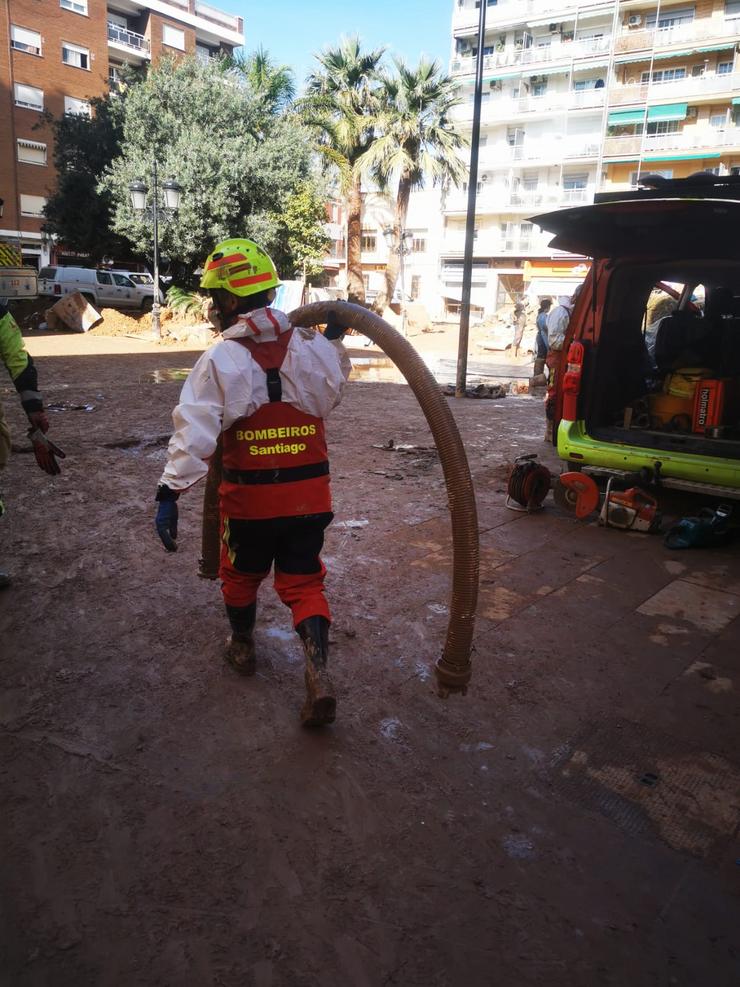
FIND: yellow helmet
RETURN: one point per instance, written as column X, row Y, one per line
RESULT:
column 239, row 266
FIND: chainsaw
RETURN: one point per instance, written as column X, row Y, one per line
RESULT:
column 629, row 510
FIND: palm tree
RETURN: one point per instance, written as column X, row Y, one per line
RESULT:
column 272, row 83
column 415, row 141
column 340, row 104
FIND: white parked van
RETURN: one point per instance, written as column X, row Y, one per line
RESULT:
column 116, row 289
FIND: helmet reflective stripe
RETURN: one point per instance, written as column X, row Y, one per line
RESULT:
column 254, row 279
column 224, row 260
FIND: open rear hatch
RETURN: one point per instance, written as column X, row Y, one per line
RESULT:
column 642, row 240
column 685, row 228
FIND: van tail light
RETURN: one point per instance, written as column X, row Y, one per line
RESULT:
column 57, row 289
column 572, row 381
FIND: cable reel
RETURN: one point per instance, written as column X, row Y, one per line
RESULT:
column 529, row 484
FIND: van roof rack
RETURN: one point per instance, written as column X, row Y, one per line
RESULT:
column 700, row 185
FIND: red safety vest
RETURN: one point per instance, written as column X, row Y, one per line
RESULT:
column 275, row 461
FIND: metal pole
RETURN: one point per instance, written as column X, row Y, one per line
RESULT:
column 156, row 327
column 462, row 349
column 402, row 278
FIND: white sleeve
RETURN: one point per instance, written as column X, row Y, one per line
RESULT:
column 198, row 420
column 314, row 373
column 557, row 325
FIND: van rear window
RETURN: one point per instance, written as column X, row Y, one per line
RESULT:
column 48, row 272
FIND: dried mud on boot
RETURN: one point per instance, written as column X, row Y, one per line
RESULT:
column 241, row 656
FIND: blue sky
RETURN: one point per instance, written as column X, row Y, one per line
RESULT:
column 292, row 30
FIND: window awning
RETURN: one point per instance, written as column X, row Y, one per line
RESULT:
column 718, row 47
column 621, row 118
column 661, row 56
column 668, row 111
column 681, row 157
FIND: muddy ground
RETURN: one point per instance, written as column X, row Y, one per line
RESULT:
column 572, row 820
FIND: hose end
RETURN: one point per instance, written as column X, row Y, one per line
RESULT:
column 206, row 570
column 451, row 678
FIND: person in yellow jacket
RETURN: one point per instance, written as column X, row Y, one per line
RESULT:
column 22, row 371
column 264, row 390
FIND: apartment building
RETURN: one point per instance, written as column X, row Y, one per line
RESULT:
column 580, row 96
column 55, row 56
column 424, row 228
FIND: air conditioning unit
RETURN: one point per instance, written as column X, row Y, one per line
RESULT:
column 692, row 112
column 634, row 20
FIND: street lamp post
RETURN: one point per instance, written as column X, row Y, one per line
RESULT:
column 171, row 192
column 401, row 249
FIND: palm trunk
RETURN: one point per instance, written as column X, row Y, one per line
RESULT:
column 355, row 284
column 393, row 264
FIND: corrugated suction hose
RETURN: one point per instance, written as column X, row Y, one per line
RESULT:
column 453, row 669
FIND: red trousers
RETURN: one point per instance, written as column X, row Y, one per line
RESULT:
column 293, row 544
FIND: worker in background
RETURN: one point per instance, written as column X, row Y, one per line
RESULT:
column 557, row 322
column 520, row 321
column 22, row 371
column 266, row 389
column 541, row 322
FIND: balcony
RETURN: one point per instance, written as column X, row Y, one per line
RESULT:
column 693, row 140
column 560, row 52
column 500, row 107
column 553, row 149
column 220, row 17
column 465, row 17
column 494, row 244
column 496, row 199
column 702, row 29
column 690, row 87
column 130, row 40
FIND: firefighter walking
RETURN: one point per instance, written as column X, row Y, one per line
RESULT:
column 20, row 366
column 266, row 389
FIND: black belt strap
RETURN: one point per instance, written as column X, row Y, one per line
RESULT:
column 274, row 384
column 289, row 474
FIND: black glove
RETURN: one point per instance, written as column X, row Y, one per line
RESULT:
column 335, row 327
column 45, row 451
column 167, row 514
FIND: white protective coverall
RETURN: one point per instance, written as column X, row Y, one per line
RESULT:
column 227, row 384
column 557, row 322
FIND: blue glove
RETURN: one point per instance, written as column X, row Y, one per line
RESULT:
column 166, row 519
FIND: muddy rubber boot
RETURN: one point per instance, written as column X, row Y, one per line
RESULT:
column 239, row 651
column 538, row 378
column 320, row 706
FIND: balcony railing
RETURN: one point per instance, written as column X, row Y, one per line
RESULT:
column 691, row 139
column 466, row 14
column 130, row 39
column 492, row 244
column 530, row 58
column 232, row 22
column 509, row 108
column 555, row 148
column 495, row 199
column 696, row 86
column 701, row 29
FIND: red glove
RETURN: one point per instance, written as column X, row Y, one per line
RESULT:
column 45, row 452
column 39, row 420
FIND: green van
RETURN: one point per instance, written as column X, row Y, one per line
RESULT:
column 649, row 373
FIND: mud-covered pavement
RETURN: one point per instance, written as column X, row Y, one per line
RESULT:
column 572, row 821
